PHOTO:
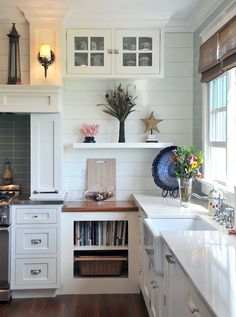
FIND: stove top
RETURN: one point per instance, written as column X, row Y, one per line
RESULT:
column 7, row 193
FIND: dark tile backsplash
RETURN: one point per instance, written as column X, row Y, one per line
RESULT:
column 15, row 147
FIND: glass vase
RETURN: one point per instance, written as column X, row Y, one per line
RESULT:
column 185, row 191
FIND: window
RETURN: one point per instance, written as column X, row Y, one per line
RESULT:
column 220, row 143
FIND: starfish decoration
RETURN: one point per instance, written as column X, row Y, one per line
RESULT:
column 151, row 123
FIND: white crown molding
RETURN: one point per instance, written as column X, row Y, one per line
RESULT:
column 44, row 15
column 12, row 15
column 203, row 11
column 199, row 15
column 223, row 18
column 75, row 19
column 178, row 26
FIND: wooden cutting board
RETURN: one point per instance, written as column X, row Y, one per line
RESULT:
column 102, row 171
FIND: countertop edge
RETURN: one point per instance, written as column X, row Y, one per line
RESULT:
column 89, row 206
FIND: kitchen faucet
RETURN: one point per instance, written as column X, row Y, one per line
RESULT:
column 199, row 196
column 223, row 214
column 229, row 217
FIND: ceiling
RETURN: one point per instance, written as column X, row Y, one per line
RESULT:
column 182, row 11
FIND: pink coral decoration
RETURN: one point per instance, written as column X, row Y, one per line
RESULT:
column 89, row 129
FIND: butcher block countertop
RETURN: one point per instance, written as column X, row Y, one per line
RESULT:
column 87, row 206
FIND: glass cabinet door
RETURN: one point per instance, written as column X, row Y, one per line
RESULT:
column 88, row 51
column 137, row 51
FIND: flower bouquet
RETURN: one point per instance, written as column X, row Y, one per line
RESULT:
column 187, row 164
column 119, row 104
column 89, row 131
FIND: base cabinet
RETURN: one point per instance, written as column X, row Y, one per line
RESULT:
column 182, row 300
column 150, row 283
column 171, row 295
column 99, row 252
column 35, row 247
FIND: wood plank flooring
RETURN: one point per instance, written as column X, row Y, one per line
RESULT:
column 101, row 305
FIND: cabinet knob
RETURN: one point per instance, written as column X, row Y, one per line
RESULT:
column 36, row 241
column 154, row 284
column 170, row 259
column 194, row 310
column 35, row 272
column 35, row 216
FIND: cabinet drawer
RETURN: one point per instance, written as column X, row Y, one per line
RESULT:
column 36, row 240
column 195, row 306
column 35, row 271
column 36, row 215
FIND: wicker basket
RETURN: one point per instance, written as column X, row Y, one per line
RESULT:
column 100, row 265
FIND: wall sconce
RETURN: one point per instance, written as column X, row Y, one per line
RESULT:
column 14, row 73
column 46, row 57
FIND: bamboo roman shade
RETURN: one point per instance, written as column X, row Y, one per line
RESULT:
column 218, row 53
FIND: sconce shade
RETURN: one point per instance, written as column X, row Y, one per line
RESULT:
column 45, row 51
column 46, row 57
column 14, row 72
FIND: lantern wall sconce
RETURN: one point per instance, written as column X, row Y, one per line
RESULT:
column 46, row 57
column 14, row 72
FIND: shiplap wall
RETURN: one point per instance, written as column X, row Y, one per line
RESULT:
column 171, row 99
column 23, row 30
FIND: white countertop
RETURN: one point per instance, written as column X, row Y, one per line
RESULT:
column 155, row 206
column 208, row 257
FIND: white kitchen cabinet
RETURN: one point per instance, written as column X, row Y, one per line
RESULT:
column 115, row 52
column 156, row 295
column 144, row 263
column 35, row 247
column 150, row 283
column 97, row 245
column 46, row 156
column 89, row 51
column 182, row 299
column 137, row 52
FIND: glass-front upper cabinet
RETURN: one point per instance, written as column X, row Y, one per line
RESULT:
column 89, row 51
column 137, row 51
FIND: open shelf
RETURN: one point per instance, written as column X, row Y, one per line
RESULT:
column 141, row 145
column 101, row 263
column 96, row 234
column 101, row 248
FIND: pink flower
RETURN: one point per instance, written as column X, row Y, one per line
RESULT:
column 89, row 129
column 193, row 158
column 198, row 175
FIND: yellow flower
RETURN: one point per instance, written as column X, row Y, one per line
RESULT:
column 194, row 164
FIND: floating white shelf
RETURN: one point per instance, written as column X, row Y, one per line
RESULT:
column 141, row 145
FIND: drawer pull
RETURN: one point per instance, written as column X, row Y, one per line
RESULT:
column 35, row 272
column 34, row 216
column 46, row 192
column 36, row 241
column 170, row 259
column 116, row 51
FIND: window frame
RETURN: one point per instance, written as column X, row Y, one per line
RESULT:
column 230, row 142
